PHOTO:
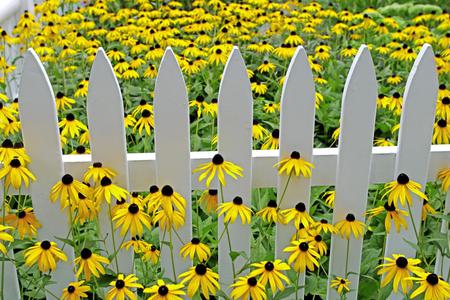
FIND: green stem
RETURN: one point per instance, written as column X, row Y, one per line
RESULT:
column 113, row 237
column 417, row 235
column 229, row 246
column 296, row 285
column 172, row 257
column 198, row 218
column 284, row 191
column 346, row 258
column 3, row 223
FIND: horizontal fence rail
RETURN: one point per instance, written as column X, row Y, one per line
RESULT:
column 354, row 162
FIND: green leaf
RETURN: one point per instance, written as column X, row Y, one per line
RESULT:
column 234, row 255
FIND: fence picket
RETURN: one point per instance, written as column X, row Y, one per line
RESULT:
column 42, row 142
column 235, row 145
column 419, row 103
column 172, row 149
column 353, row 166
column 442, row 266
column 108, row 144
column 296, row 134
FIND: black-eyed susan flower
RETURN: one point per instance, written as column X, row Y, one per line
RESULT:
column 259, row 88
column 293, row 39
column 107, row 189
column 63, row 102
column 67, row 190
column 46, row 254
column 271, row 141
column 6, row 114
column 427, row 209
column 199, row 103
column 271, row 272
column 218, row 167
column 295, row 163
column 168, row 199
column 316, row 241
column 131, row 217
column 271, row 213
column 71, row 126
column 209, row 200
column 75, row 291
column 302, row 255
column 163, row 291
column 443, row 108
column 324, row 226
column 86, row 209
column 401, row 189
column 7, row 151
column 394, row 79
column 152, row 199
column 398, row 270
column 90, row 263
column 298, row 214
column 218, row 57
column 146, row 122
column 166, row 221
column 271, row 108
column 129, row 120
column 434, row 286
column 341, row 285
column 121, row 287
column 97, row 171
column 15, row 173
column 329, row 197
column 233, row 209
column 4, row 236
column 444, row 176
column 441, row 134
column 152, row 254
column 258, row 131
column 392, row 214
column 350, row 226
column 25, row 222
column 138, row 244
column 143, row 105
column 200, row 278
column 266, row 67
column 349, row 51
column 248, row 287
column 196, row 249
column 211, row 108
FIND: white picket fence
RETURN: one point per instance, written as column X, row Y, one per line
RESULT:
column 350, row 167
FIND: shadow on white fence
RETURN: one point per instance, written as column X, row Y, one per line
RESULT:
column 351, row 167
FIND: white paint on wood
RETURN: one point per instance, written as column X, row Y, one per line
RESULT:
column 42, row 142
column 353, row 165
column 235, row 145
column 419, row 103
column 108, row 144
column 296, row 134
column 172, row 149
column 442, row 266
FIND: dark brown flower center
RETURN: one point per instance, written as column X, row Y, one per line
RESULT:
column 86, row 253
column 70, row 289
column 120, row 284
column 237, row 200
column 70, row 117
column 153, row 189
column 252, row 281
column 432, row 279
column 195, row 241
column 145, row 113
column 323, row 221
column 295, row 155
column 200, row 269
column 67, row 179
column 342, row 281
column 212, row 192
column 46, row 245
column 133, row 209
column 15, row 163
column 97, row 165
column 303, row 246
column 300, row 207
column 167, row 190
column 350, row 218
column 217, row 159
column 401, row 262
column 275, row 133
column 442, row 123
column 105, row 181
column 163, row 290
column 318, row 238
column 269, row 266
column 21, row 214
column 402, row 178
column 272, row 203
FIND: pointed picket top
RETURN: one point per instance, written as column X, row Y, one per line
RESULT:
column 414, row 142
column 296, row 134
column 353, row 167
column 108, row 144
column 42, row 142
column 235, row 120
column 172, row 149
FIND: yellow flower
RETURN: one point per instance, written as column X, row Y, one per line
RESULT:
column 441, row 133
column 259, row 88
column 67, row 190
column 258, row 131
column 145, row 121
column 349, row 51
column 6, row 114
column 234, row 209
column 444, row 176
column 90, row 263
column 5, row 237
column 271, row 272
column 195, row 248
column 443, row 108
column 63, row 102
column 129, row 120
column 46, row 254
column 139, row 246
column 130, row 74
column 266, row 67
column 97, row 172
column 342, row 285
column 220, row 167
column 271, row 213
column 324, row 226
column 15, row 173
column 394, row 79
column 392, row 214
column 166, row 221
column 163, row 291
column 298, row 214
column 25, row 222
column 152, row 254
column 295, row 163
column 248, row 287
column 143, row 105
column 427, row 209
column 71, row 127
column 209, row 200
column 293, row 39
column 303, row 256
column 401, row 189
column 350, row 225
column 200, row 278
column 86, row 209
column 107, row 189
column 75, row 291
column 121, row 287
column 218, row 57
column 131, row 217
column 271, row 141
column 434, row 287
column 399, row 268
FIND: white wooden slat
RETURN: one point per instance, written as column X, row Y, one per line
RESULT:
column 42, row 142
column 142, row 166
column 419, row 103
column 172, row 149
column 108, row 144
column 353, row 165
column 235, row 144
column 296, row 134
column 442, row 266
